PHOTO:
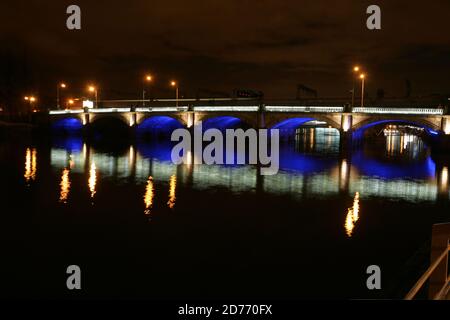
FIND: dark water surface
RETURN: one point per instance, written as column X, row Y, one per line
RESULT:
column 141, row 227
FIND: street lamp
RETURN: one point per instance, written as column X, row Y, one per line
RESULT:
column 31, row 100
column 362, row 77
column 355, row 69
column 148, row 79
column 70, row 102
column 58, row 87
column 94, row 90
column 175, row 85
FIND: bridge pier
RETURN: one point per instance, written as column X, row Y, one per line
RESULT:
column 346, row 132
column 445, row 125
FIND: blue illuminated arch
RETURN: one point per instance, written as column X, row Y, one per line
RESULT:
column 292, row 123
column 224, row 122
column 358, row 133
column 158, row 125
column 288, row 127
column 67, row 126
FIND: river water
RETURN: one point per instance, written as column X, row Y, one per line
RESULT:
column 141, row 227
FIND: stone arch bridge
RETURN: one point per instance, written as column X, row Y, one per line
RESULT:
column 350, row 124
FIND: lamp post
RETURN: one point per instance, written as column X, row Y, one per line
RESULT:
column 362, row 77
column 58, row 87
column 148, row 79
column 355, row 69
column 94, row 90
column 31, row 100
column 175, row 85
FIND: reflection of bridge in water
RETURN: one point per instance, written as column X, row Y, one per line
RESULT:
column 334, row 178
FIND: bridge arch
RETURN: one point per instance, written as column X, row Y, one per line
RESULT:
column 157, row 126
column 287, row 125
column 223, row 122
column 290, row 120
column 105, row 126
column 430, row 128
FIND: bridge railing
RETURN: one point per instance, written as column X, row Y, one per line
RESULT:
column 392, row 110
column 318, row 109
column 437, row 273
column 257, row 108
column 254, row 108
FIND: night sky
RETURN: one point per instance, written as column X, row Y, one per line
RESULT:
column 267, row 45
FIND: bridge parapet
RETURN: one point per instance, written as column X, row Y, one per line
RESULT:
column 404, row 111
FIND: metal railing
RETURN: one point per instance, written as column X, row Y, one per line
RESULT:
column 418, row 111
column 257, row 108
column 437, row 273
column 318, row 109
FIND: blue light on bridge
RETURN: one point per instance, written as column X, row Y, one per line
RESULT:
column 288, row 127
column 291, row 124
column 68, row 125
column 224, row 122
column 158, row 126
column 359, row 133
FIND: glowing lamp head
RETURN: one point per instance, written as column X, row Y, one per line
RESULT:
column 173, row 83
column 70, row 101
column 362, row 76
column 91, row 89
column 32, row 99
column 63, row 85
column 148, row 78
column 27, row 98
column 356, row 69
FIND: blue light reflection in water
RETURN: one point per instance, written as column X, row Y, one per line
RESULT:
column 70, row 144
column 317, row 172
column 370, row 166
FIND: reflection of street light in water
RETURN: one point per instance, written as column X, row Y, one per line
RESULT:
column 92, row 179
column 172, row 191
column 149, row 195
column 30, row 165
column 352, row 216
column 65, row 186
column 443, row 186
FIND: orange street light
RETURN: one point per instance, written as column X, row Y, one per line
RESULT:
column 148, row 79
column 355, row 69
column 175, row 85
column 94, row 90
column 362, row 77
column 59, row 86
